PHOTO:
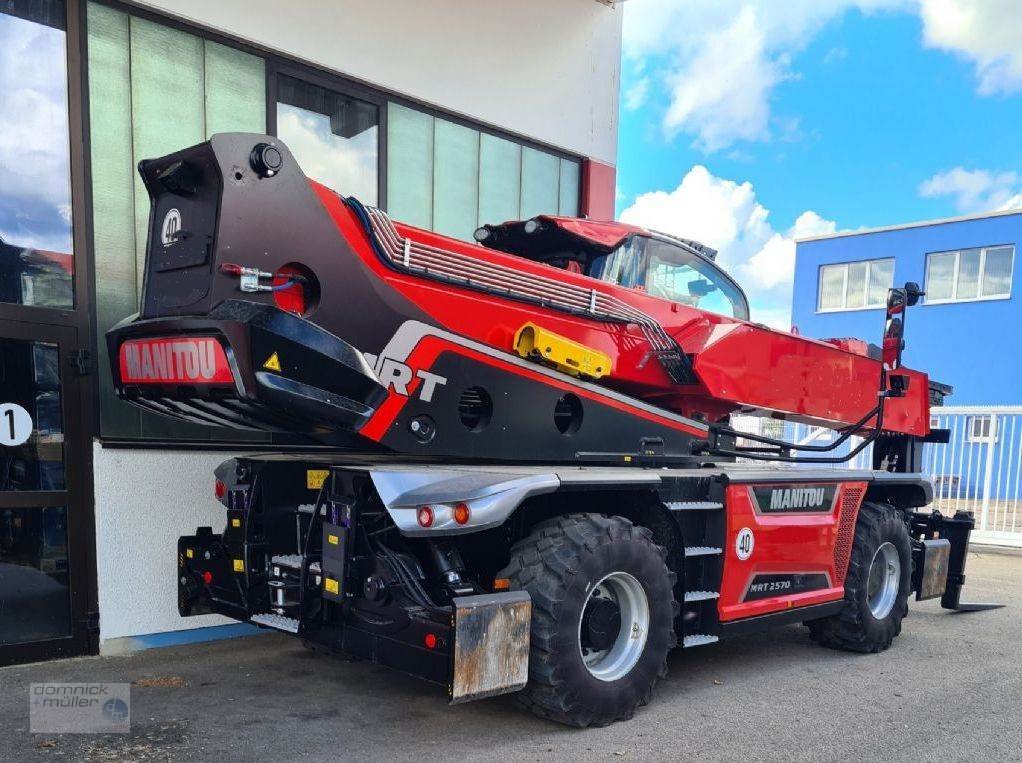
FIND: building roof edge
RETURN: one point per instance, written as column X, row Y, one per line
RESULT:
column 904, row 226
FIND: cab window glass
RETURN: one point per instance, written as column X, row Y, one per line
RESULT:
column 678, row 275
column 623, row 266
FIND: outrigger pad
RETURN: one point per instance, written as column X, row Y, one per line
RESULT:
column 491, row 645
column 976, row 607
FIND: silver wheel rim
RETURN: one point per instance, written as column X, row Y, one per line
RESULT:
column 616, row 662
column 884, row 580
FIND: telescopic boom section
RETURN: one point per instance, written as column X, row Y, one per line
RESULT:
column 327, row 317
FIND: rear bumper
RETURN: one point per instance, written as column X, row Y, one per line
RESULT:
column 476, row 648
column 323, row 383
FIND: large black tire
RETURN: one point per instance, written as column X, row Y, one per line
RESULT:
column 559, row 563
column 855, row 628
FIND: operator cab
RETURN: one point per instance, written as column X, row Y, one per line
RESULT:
column 673, row 269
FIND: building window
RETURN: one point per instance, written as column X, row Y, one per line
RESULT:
column 450, row 178
column 36, row 262
column 982, row 429
column 969, row 274
column 152, row 90
column 334, row 137
column 855, row 285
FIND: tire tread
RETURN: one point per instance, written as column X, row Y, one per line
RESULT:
column 543, row 563
column 848, row 630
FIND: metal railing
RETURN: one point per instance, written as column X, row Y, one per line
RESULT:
column 978, row 470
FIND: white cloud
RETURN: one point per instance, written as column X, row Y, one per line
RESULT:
column 722, row 93
column 835, row 55
column 975, row 190
column 720, row 61
column 35, row 184
column 988, row 33
column 635, row 97
column 348, row 166
column 726, row 215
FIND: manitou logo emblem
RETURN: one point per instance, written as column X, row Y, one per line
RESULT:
column 188, row 361
column 797, row 498
column 398, row 377
column 171, row 227
column 794, row 498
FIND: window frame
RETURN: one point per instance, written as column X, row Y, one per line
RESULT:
column 980, row 297
column 342, row 86
column 844, row 285
column 278, row 63
column 991, row 434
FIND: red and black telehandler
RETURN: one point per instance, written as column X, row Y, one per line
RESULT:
column 519, row 473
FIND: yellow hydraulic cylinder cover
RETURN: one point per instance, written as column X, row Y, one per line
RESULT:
column 535, row 342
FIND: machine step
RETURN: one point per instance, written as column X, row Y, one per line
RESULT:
column 281, row 623
column 691, row 551
column 693, row 596
column 694, row 505
column 699, row 639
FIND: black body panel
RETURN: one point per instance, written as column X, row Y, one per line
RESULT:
column 262, row 222
column 323, row 385
column 527, row 414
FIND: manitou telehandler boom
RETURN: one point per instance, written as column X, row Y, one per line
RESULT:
column 531, row 483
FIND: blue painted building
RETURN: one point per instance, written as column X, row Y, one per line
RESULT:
column 966, row 331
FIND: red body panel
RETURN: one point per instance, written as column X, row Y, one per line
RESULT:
column 776, row 371
column 738, row 364
column 811, row 543
column 604, row 233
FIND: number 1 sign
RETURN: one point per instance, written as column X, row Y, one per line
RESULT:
column 15, row 424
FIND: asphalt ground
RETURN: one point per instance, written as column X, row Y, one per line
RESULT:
column 949, row 689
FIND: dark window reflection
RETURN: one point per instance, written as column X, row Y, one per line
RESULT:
column 30, row 377
column 36, row 266
column 34, row 593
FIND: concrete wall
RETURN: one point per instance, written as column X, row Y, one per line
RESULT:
column 145, row 499
column 547, row 69
column 969, row 345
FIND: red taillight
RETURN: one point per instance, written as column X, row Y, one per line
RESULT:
column 425, row 516
column 220, row 490
column 430, row 641
column 461, row 513
column 207, row 577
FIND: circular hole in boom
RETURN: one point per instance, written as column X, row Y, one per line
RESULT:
column 568, row 414
column 296, row 289
column 475, row 408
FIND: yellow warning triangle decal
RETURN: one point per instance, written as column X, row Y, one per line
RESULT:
column 272, row 363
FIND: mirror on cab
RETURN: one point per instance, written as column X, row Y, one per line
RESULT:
column 894, row 330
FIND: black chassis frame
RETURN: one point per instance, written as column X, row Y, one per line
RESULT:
column 381, row 615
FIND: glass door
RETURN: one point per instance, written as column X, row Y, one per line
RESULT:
column 45, row 531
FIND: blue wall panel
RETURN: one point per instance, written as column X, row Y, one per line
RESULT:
column 974, row 346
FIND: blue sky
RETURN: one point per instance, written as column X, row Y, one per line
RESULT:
column 746, row 124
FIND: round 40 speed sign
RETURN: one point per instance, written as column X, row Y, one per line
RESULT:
column 15, row 425
column 745, row 541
